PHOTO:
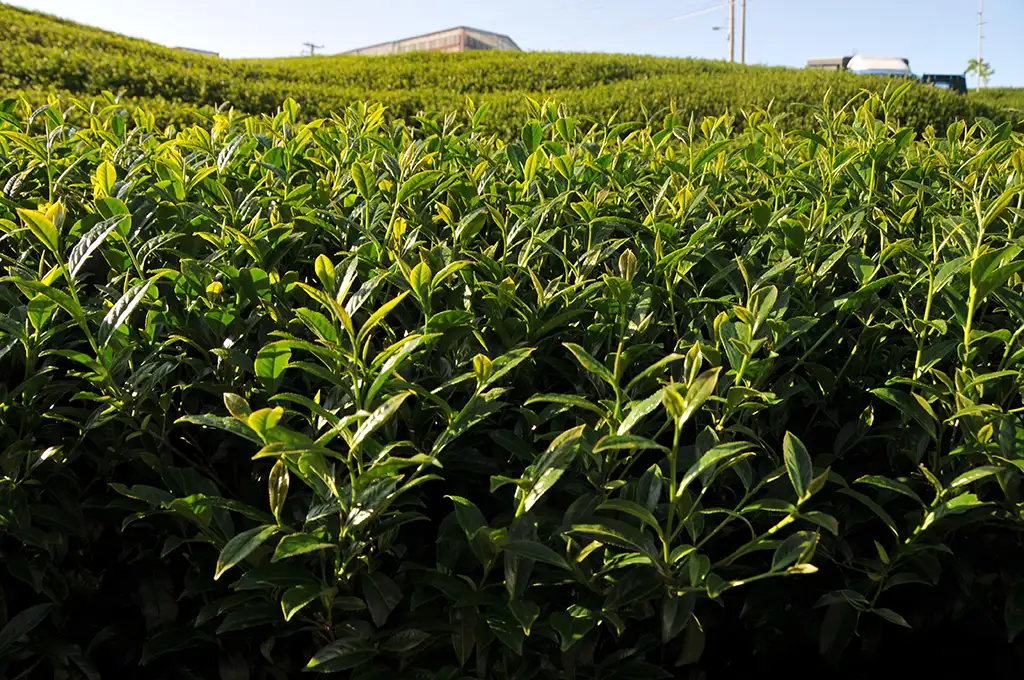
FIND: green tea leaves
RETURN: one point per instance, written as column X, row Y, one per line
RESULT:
column 591, row 364
column 277, row 485
column 376, row 419
column 271, row 362
column 419, row 280
column 795, row 550
column 681, row 408
column 561, row 380
column 103, row 180
column 300, row 543
column 22, row 624
column 88, row 244
column 241, row 546
column 382, row 595
column 297, row 597
column 364, row 179
column 548, row 469
column 41, row 227
column 123, row 309
column 798, row 465
column 264, row 420
column 417, row 183
column 533, row 550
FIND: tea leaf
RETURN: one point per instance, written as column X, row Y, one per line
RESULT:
column 123, row 309
column 417, row 183
column 297, row 597
column 535, row 551
column 278, row 483
column 617, row 442
column 298, row 544
column 890, row 616
column 104, row 180
column 364, row 180
column 23, row 623
column 795, row 550
column 548, row 469
column 883, row 482
column 382, row 595
column 226, row 424
column 241, row 546
column 798, row 465
column 41, row 227
column 381, row 415
column 712, row 457
column 272, row 361
column 590, row 363
column 341, row 655
column 419, row 280
column 88, row 244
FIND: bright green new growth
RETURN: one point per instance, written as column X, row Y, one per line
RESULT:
column 421, row 398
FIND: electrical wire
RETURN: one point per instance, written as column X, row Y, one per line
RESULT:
column 692, row 14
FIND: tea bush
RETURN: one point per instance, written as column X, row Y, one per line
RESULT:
column 40, row 55
column 600, row 400
column 1005, row 97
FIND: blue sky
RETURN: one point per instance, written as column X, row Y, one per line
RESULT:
column 938, row 36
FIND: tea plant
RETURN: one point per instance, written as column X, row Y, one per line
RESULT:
column 414, row 400
column 41, row 55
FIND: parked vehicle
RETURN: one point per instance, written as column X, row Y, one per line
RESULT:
column 956, row 83
column 898, row 67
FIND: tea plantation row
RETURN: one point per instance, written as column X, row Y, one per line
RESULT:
column 592, row 401
column 40, row 55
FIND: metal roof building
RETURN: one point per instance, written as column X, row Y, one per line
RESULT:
column 207, row 53
column 459, row 39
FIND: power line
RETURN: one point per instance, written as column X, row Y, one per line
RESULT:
column 684, row 16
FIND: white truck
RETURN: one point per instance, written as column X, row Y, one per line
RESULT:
column 898, row 67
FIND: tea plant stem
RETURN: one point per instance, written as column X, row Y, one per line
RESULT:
column 673, row 481
column 785, row 521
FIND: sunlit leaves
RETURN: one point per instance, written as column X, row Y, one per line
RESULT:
column 272, row 361
column 41, row 227
column 241, row 546
column 798, row 465
column 123, row 309
column 278, row 484
column 678, row 360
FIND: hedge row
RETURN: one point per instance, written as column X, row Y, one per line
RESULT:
column 40, row 54
column 594, row 401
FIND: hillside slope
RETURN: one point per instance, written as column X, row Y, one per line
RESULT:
column 41, row 54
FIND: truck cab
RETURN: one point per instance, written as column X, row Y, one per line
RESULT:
column 955, row 83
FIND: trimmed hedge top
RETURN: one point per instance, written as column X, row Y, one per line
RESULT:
column 40, row 55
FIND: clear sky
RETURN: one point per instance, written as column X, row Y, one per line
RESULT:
column 938, row 36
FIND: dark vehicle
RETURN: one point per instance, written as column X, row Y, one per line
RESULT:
column 956, row 83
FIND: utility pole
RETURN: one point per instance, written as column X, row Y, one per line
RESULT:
column 732, row 29
column 981, row 22
column 743, row 31
column 313, row 48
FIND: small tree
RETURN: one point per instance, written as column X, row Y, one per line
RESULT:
column 982, row 69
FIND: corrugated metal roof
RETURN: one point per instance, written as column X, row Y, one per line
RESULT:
column 425, row 36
